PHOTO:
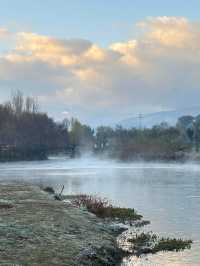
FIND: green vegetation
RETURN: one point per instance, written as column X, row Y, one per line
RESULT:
column 144, row 243
column 167, row 244
column 81, row 137
column 141, row 243
column 28, row 134
column 158, row 143
column 103, row 209
column 123, row 214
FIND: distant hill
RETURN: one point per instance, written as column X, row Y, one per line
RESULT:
column 152, row 119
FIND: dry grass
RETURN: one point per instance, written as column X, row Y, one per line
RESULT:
column 103, row 209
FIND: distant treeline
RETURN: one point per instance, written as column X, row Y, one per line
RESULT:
column 27, row 134
column 161, row 142
column 158, row 143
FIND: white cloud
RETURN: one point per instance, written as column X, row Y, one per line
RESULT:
column 158, row 70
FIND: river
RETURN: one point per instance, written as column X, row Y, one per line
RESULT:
column 167, row 194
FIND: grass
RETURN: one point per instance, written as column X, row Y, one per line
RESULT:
column 151, row 243
column 103, row 209
column 167, row 244
column 142, row 243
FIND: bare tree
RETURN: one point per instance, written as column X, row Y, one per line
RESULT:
column 31, row 105
column 17, row 102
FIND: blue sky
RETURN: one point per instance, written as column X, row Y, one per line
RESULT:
column 101, row 21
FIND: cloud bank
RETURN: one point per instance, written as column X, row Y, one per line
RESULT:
column 157, row 71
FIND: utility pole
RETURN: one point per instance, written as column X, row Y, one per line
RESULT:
column 140, row 117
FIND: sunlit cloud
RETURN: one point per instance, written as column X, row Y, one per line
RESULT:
column 3, row 32
column 158, row 70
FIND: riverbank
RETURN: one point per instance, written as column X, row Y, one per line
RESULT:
column 14, row 154
column 24, row 155
column 35, row 229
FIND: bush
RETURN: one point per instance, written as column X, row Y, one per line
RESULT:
column 167, row 244
column 151, row 243
column 49, row 190
column 103, row 209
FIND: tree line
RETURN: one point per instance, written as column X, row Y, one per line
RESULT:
column 26, row 133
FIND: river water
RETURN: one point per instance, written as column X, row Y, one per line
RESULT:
column 166, row 194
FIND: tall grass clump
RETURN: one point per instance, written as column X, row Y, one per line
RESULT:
column 151, row 243
column 104, row 209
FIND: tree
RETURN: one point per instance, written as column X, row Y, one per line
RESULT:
column 80, row 135
column 103, row 136
column 17, row 102
column 31, row 105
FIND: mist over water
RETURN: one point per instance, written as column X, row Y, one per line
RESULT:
column 167, row 194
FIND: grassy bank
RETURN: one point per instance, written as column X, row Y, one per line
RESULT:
column 138, row 242
column 36, row 229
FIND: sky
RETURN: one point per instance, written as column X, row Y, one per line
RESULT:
column 101, row 61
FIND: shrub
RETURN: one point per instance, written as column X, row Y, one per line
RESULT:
column 167, row 244
column 49, row 190
column 103, row 209
column 151, row 243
